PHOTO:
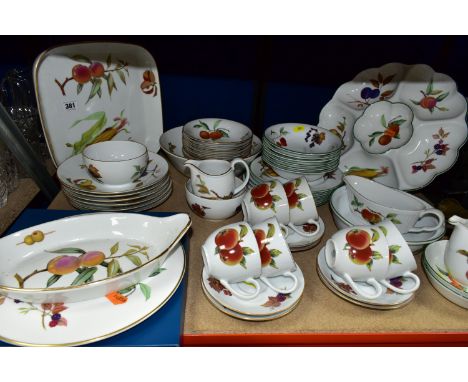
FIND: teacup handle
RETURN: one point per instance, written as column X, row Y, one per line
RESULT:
column 400, row 290
column 284, row 291
column 302, row 233
column 243, row 296
column 431, row 211
column 372, row 282
column 247, row 174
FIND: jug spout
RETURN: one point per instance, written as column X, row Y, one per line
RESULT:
column 458, row 221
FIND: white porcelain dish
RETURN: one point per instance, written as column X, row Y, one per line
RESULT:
column 433, row 264
column 413, row 152
column 87, row 256
column 85, row 322
column 95, row 92
column 171, row 144
column 343, row 218
column 214, row 209
column 228, row 132
column 74, row 175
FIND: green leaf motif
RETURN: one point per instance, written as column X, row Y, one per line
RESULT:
column 298, row 182
column 52, row 280
column 375, row 235
column 146, row 290
column 356, row 203
column 109, row 60
column 273, row 264
column 81, row 58
column 276, row 198
column 272, row 184
column 85, row 276
column 216, row 124
column 79, row 88
column 463, row 252
column 395, row 260
column 369, row 264
column 110, row 83
column 275, row 252
column 122, row 77
column 376, row 255
column 383, row 122
column 68, row 250
column 243, row 263
column 384, row 230
column 135, row 260
column 157, row 271
column 113, row 268
column 243, row 230
column 429, row 87
column 247, row 251
column 114, row 248
column 89, row 135
column 271, row 230
column 394, row 248
column 94, row 90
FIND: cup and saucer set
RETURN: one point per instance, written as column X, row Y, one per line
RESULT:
column 293, row 205
column 115, row 176
column 249, row 272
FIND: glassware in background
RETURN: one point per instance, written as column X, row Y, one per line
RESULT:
column 3, row 186
column 18, row 97
column 8, row 169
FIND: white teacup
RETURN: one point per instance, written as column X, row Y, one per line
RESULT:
column 401, row 259
column 231, row 255
column 116, row 162
column 275, row 255
column 359, row 254
column 269, row 200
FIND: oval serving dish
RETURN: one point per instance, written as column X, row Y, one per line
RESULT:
column 88, row 256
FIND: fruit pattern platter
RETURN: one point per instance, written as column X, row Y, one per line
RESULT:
column 95, row 92
column 158, row 319
column 401, row 125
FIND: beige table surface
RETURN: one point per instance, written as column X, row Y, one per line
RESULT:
column 319, row 312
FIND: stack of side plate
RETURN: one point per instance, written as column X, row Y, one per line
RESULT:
column 322, row 189
column 86, row 193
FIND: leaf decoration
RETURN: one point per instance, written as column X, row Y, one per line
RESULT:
column 384, row 230
column 114, row 248
column 388, row 79
column 271, row 230
column 89, row 135
column 110, row 83
column 122, row 77
column 394, row 248
column 383, row 121
column 135, row 260
column 275, row 252
column 376, row 255
column 81, row 58
column 157, row 271
column 68, row 250
column 374, row 83
column 96, row 87
column 52, row 280
column 146, row 290
column 375, row 235
column 463, row 252
column 113, row 268
column 244, row 230
column 79, row 88
column 247, row 251
column 109, row 60
column 243, row 263
column 85, row 276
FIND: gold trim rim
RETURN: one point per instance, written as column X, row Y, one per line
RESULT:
column 168, row 249
column 232, row 314
column 252, row 315
column 116, row 332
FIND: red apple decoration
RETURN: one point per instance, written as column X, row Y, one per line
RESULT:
column 231, row 256
column 289, row 188
column 227, row 239
column 260, row 235
column 260, row 191
column 360, row 256
column 358, row 239
column 265, row 256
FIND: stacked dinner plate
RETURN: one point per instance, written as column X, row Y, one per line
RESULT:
column 294, row 150
column 212, row 138
column 322, row 189
column 85, row 192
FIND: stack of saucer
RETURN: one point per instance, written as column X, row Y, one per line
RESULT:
column 322, row 189
column 85, row 192
column 293, row 150
column 212, row 138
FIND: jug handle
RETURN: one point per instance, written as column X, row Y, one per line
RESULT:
column 247, row 174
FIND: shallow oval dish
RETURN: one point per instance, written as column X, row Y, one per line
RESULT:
column 401, row 125
column 87, row 256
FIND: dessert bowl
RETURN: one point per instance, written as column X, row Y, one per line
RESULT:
column 87, row 256
column 116, row 162
column 373, row 202
column 171, row 144
column 216, row 130
column 214, row 209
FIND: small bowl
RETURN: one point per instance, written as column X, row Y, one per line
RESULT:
column 116, row 162
column 171, row 144
column 217, row 130
column 214, row 209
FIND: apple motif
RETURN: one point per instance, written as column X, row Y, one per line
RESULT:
column 358, row 239
column 371, row 216
column 265, row 256
column 360, row 256
column 289, row 188
column 204, row 134
column 260, row 191
column 216, row 135
column 260, row 235
column 227, row 239
column 232, row 256
column 293, row 200
column 265, row 202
